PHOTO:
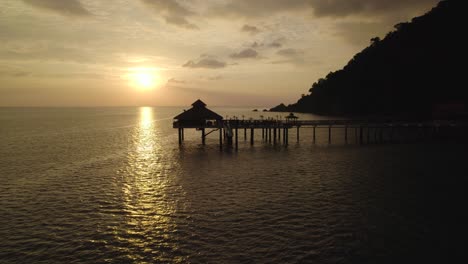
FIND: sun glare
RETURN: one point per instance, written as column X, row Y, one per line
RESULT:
column 144, row 78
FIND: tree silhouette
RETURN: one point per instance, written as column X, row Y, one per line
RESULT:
column 406, row 73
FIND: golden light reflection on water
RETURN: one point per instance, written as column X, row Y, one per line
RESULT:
column 147, row 199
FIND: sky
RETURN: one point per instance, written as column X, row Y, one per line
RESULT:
column 172, row 52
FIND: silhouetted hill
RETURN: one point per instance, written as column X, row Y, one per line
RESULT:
column 414, row 68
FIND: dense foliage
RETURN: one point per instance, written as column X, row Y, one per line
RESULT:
column 414, row 67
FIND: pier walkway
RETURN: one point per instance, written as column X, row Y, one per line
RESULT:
column 278, row 131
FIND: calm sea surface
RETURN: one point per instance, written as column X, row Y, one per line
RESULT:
column 112, row 185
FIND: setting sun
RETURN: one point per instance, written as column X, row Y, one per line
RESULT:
column 143, row 78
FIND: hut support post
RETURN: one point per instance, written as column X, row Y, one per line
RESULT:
column 221, row 138
column 237, row 138
column 245, row 134
column 329, row 134
column 203, row 136
column 180, row 136
column 252, row 136
column 314, row 134
column 297, row 134
column 274, row 135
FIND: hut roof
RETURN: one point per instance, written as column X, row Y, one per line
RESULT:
column 199, row 103
column 198, row 112
column 291, row 116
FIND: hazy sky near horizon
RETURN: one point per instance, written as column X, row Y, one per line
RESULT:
column 171, row 52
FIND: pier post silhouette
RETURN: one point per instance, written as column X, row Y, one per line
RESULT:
column 237, row 137
column 180, row 136
column 314, row 134
column 252, row 136
column 274, row 135
column 203, row 136
column 279, row 134
column 220, row 138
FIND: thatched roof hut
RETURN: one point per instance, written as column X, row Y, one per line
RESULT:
column 291, row 118
column 197, row 117
column 198, row 112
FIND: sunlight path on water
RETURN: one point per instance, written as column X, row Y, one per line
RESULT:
column 149, row 205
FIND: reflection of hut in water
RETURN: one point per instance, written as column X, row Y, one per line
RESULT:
column 291, row 118
column 197, row 117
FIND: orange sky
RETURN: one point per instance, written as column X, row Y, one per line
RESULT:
column 168, row 52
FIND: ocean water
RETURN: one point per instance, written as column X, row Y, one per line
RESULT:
column 112, row 185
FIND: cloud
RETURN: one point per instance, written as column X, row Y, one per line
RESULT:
column 14, row 73
column 275, row 44
column 290, row 52
column 208, row 63
column 64, row 7
column 173, row 12
column 49, row 52
column 334, row 8
column 215, row 78
column 249, row 8
column 360, row 32
column 245, row 54
column 256, row 45
column 293, row 56
column 369, row 7
column 250, row 29
column 174, row 80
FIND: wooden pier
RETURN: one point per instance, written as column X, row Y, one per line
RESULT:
column 278, row 131
column 281, row 131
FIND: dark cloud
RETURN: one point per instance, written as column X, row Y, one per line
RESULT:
column 275, row 44
column 292, row 56
column 245, row 54
column 290, row 52
column 369, row 7
column 256, row 45
column 64, row 7
column 208, row 63
column 278, row 43
column 250, row 29
column 249, row 8
column 173, row 12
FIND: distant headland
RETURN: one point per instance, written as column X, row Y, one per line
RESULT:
column 414, row 71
